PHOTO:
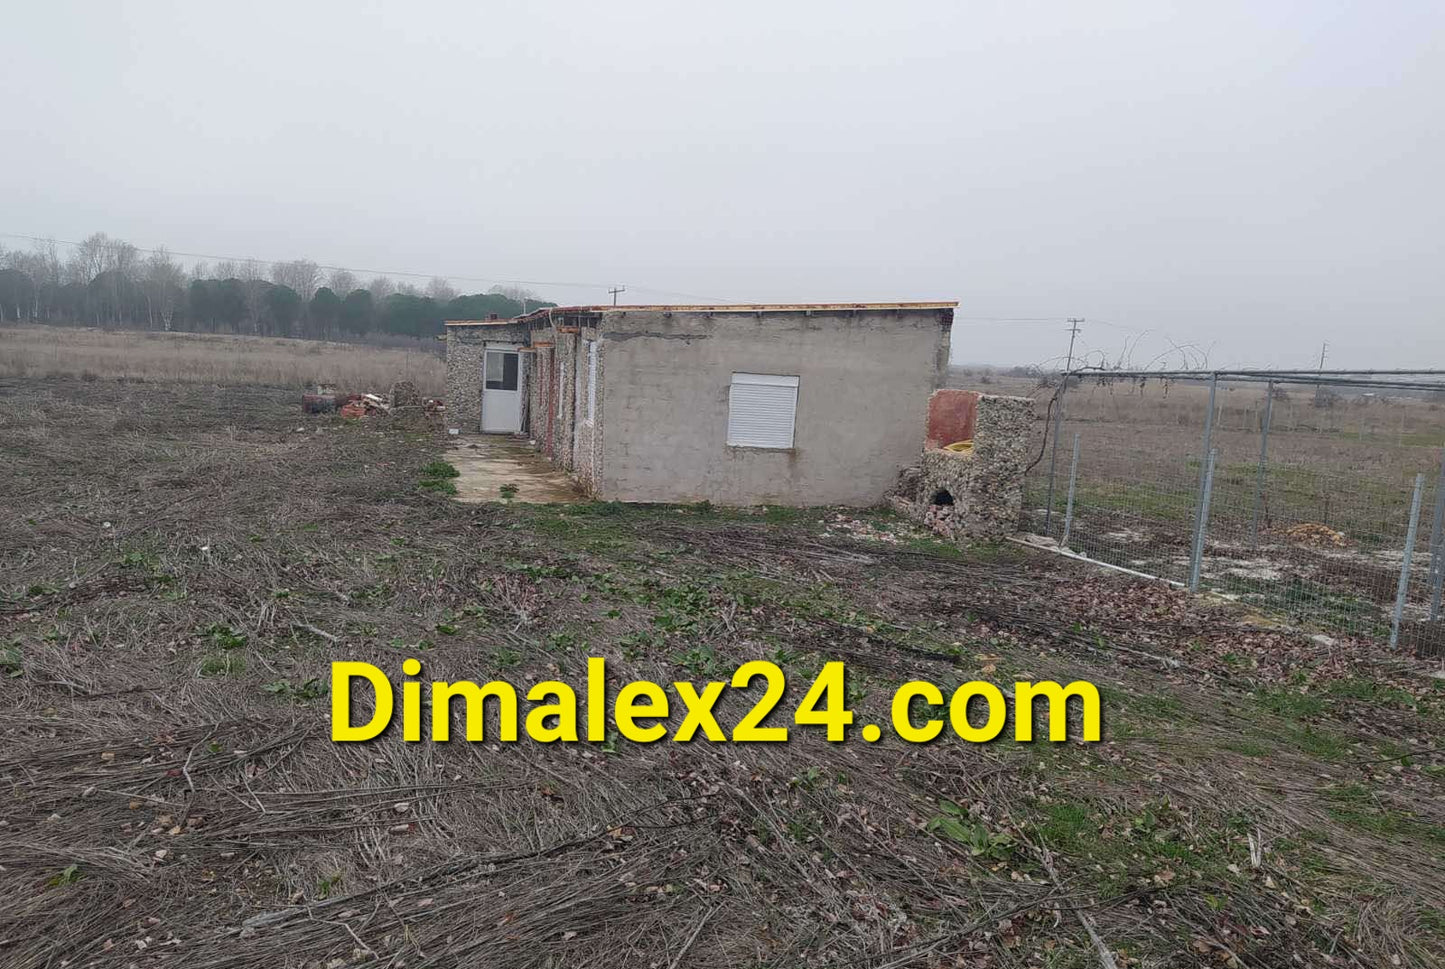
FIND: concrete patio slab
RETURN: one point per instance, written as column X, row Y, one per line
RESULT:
column 485, row 463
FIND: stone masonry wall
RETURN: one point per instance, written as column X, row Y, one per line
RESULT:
column 543, row 405
column 986, row 486
column 466, row 346
column 464, row 378
column 563, row 409
column 587, row 458
column 557, row 395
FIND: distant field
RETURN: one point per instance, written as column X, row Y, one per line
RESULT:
column 49, row 351
column 1355, row 431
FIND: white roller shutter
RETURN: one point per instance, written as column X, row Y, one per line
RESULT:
column 761, row 410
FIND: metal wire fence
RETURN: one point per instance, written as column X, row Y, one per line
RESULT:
column 1315, row 497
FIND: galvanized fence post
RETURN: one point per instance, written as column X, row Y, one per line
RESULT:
column 1205, row 464
column 1263, row 462
column 1404, row 587
column 1201, row 524
column 1054, row 451
column 1069, row 507
column 1437, row 538
column 1208, row 442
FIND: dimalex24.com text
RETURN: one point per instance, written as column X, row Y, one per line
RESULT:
column 640, row 710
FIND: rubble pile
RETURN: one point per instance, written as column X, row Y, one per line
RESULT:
column 943, row 520
column 1313, row 533
column 403, row 400
column 365, row 405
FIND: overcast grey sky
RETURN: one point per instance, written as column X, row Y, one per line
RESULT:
column 1251, row 177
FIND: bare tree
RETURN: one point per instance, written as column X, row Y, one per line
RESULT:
column 341, row 281
column 518, row 293
column 162, row 286
column 407, row 289
column 381, row 287
column 42, row 265
column 100, row 255
column 89, row 258
column 440, row 290
column 227, row 269
column 126, row 257
column 252, row 275
column 301, row 275
column 47, row 275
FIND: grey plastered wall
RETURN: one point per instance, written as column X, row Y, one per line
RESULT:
column 864, row 381
column 465, row 347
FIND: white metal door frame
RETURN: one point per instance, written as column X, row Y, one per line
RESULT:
column 506, row 404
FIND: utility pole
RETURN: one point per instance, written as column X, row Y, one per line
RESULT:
column 1319, row 387
column 614, row 291
column 1073, row 322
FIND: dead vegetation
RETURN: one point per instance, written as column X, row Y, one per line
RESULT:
column 182, row 565
column 92, row 354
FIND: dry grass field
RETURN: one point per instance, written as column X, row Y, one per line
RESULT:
column 1135, row 422
column 51, row 351
column 181, row 565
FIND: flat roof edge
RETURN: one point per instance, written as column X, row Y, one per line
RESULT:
column 506, row 322
column 712, row 308
column 741, row 308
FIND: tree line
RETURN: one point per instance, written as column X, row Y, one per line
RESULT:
column 109, row 282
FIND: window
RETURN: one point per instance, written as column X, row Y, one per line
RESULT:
column 761, row 408
column 591, row 380
column 501, row 370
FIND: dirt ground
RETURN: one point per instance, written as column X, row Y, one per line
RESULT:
column 181, row 564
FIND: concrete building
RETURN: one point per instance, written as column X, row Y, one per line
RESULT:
column 797, row 404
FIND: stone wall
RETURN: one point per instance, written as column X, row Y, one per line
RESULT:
column 465, row 347
column 464, row 379
column 557, row 399
column 563, row 407
column 587, row 454
column 977, row 494
column 541, row 405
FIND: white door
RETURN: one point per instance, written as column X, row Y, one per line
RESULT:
column 501, row 391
